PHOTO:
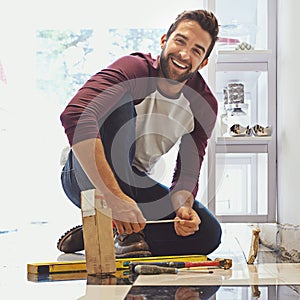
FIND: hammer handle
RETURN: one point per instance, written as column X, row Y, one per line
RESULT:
column 177, row 264
column 202, row 264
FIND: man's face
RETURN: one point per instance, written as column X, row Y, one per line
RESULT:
column 183, row 53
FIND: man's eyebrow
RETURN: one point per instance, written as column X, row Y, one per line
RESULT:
column 185, row 38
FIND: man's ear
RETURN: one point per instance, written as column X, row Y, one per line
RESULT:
column 163, row 40
column 203, row 64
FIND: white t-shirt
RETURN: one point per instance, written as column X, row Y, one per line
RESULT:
column 160, row 123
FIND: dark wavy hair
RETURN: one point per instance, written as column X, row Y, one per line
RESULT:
column 205, row 19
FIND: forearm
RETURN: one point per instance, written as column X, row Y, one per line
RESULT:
column 125, row 212
column 91, row 156
column 182, row 198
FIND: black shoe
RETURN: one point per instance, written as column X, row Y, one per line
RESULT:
column 71, row 241
column 131, row 245
column 126, row 245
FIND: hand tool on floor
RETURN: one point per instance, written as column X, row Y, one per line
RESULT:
column 67, row 266
column 218, row 262
column 152, row 270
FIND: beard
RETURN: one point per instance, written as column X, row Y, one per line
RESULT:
column 166, row 70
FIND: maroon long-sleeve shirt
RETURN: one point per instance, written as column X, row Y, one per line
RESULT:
column 136, row 74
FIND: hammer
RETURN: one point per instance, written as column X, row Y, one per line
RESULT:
column 218, row 262
column 224, row 263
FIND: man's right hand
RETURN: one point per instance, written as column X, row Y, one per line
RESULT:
column 126, row 214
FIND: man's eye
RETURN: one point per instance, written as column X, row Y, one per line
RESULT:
column 197, row 52
column 180, row 41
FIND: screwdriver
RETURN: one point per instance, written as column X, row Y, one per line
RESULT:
column 152, row 269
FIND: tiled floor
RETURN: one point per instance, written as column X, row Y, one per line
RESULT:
column 268, row 278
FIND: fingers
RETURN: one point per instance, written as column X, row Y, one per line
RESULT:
column 128, row 217
column 185, row 213
column 119, row 227
column 136, row 227
column 128, row 228
column 125, row 227
column 184, row 231
column 187, row 227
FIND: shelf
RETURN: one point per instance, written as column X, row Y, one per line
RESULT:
column 249, row 78
column 242, row 144
column 260, row 140
column 249, row 160
column 247, row 56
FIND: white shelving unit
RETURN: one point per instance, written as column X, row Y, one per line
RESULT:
column 242, row 170
column 234, row 56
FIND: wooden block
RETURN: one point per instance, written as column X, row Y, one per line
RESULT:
column 97, row 234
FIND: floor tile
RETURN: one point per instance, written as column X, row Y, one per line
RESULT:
column 105, row 292
column 264, row 274
column 269, row 276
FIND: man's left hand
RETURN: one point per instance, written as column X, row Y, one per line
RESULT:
column 187, row 221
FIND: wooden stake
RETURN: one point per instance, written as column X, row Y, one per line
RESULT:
column 97, row 234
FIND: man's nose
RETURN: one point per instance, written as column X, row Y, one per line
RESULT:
column 184, row 54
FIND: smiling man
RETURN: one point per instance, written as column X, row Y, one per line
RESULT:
column 123, row 120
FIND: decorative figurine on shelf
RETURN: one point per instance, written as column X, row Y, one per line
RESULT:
column 234, row 107
column 259, row 130
column 244, row 46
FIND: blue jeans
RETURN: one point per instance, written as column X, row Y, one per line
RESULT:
column 118, row 135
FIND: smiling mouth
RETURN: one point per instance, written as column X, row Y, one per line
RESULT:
column 179, row 64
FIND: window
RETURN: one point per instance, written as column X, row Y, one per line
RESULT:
column 46, row 59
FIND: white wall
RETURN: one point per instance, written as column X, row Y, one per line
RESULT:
column 31, row 135
column 288, row 112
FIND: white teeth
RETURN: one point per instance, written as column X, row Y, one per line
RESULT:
column 179, row 64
